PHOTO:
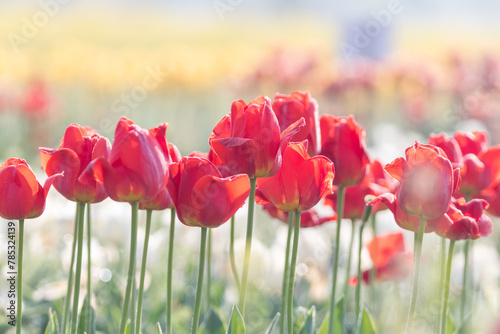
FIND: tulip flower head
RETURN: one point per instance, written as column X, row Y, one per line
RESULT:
column 21, row 194
column 202, row 197
column 249, row 140
column 343, row 142
column 300, row 183
column 79, row 146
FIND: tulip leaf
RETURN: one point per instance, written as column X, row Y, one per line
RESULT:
column 339, row 319
column 236, row 323
column 158, row 328
column 367, row 325
column 212, row 323
column 274, row 324
column 53, row 325
column 309, row 326
column 86, row 319
column 451, row 327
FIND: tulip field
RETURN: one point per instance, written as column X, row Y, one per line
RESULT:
column 217, row 176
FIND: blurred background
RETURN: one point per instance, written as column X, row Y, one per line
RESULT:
column 403, row 68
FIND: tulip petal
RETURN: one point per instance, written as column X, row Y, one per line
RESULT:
column 18, row 188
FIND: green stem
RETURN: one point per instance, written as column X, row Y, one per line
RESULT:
column 293, row 262
column 336, row 250
column 81, row 216
column 373, row 271
column 209, row 269
column 284, row 285
column 232, row 257
column 89, row 276
column 446, row 283
column 248, row 245
column 199, row 285
column 131, row 268
column 349, row 259
column 133, row 306
column 169, row 271
column 149, row 214
column 463, row 299
column 442, row 277
column 71, row 266
column 358, row 286
column 19, row 320
column 419, row 237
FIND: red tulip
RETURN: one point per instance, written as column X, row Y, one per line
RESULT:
column 343, row 142
column 480, row 171
column 308, row 218
column 290, row 108
column 249, row 141
column 450, row 147
column 21, row 194
column 407, row 221
column 201, row 196
column 472, row 142
column 79, row 146
column 391, row 260
column 163, row 200
column 137, row 168
column 300, row 183
column 427, row 181
column 468, row 220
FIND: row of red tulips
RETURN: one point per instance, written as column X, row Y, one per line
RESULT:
column 261, row 151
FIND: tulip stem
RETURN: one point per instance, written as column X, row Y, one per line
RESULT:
column 293, row 262
column 19, row 321
column 149, row 214
column 373, row 271
column 89, row 276
column 199, row 285
column 209, row 268
column 463, row 299
column 419, row 237
column 284, row 285
column 232, row 257
column 248, row 245
column 133, row 307
column 446, row 283
column 81, row 217
column 71, row 266
column 349, row 259
column 131, row 268
column 169, row 271
column 358, row 286
column 442, row 277
column 336, row 250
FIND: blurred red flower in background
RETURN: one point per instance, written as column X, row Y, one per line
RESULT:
column 21, row 195
column 79, row 146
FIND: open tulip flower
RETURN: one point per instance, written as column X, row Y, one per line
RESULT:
column 202, row 197
column 79, row 146
column 290, row 108
column 136, row 169
column 391, row 260
column 450, row 146
column 249, row 140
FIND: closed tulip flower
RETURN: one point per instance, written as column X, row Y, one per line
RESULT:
column 136, row 169
column 343, row 142
column 79, row 146
column 290, row 108
column 202, row 197
column 301, row 181
column 427, row 181
column 249, row 140
column 22, row 196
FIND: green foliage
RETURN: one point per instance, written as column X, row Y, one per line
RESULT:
column 274, row 324
column 212, row 323
column 367, row 326
column 236, row 323
column 309, row 326
column 86, row 318
column 339, row 319
column 53, row 325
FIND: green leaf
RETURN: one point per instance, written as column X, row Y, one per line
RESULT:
column 367, row 325
column 309, row 326
column 212, row 323
column 53, row 325
column 236, row 323
column 451, row 327
column 85, row 319
column 158, row 328
column 339, row 319
column 127, row 328
column 273, row 324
